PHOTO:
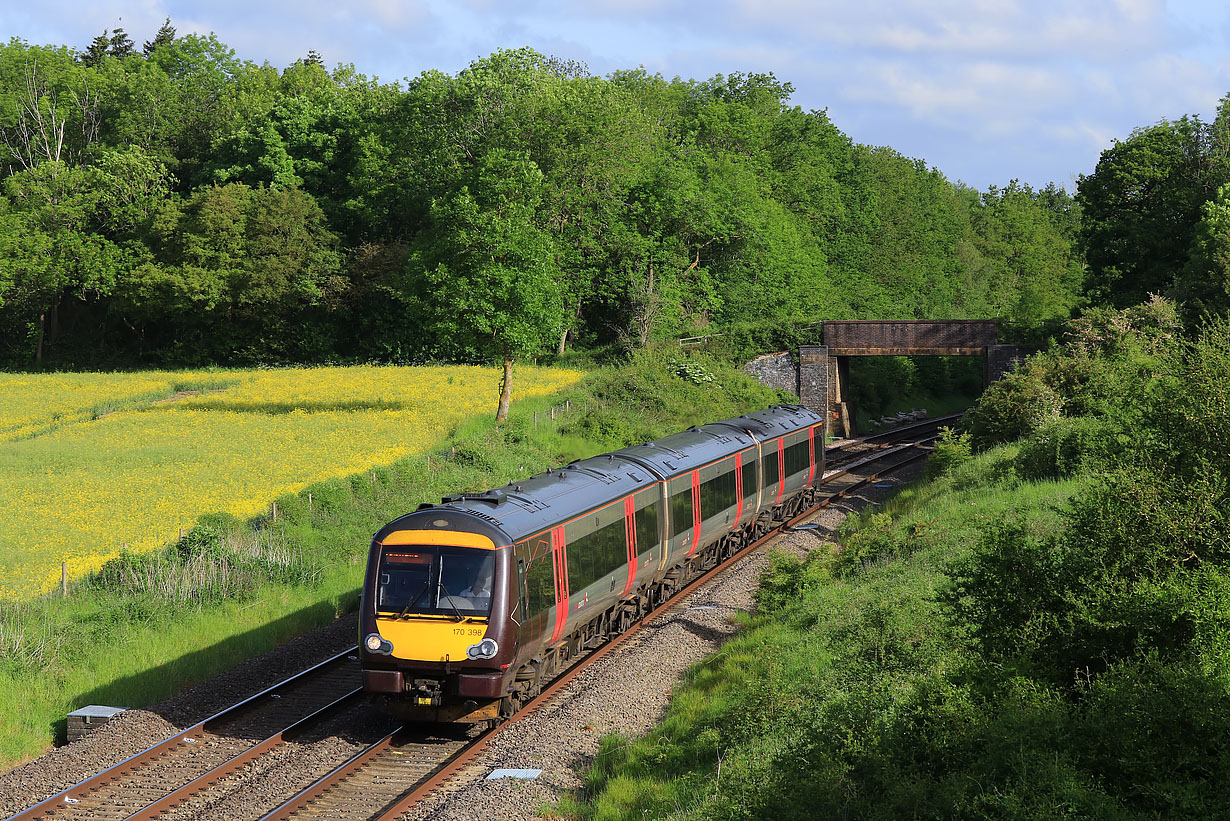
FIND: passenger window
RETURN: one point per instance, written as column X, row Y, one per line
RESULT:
column 681, row 512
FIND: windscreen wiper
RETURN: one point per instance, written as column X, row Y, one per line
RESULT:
column 460, row 618
column 413, row 599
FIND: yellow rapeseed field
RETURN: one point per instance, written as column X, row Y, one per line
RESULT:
column 90, row 462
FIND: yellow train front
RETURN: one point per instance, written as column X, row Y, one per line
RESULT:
column 437, row 634
column 469, row 607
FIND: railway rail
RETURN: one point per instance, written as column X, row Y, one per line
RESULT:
column 160, row 778
column 408, row 763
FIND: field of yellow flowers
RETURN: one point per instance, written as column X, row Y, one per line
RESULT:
column 93, row 462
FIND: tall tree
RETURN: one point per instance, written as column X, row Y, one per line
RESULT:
column 121, row 44
column 481, row 277
column 1203, row 285
column 97, row 50
column 164, row 37
column 1141, row 206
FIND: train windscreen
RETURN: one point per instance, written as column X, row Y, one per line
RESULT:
column 435, row 581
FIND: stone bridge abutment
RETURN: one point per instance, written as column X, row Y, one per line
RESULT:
column 822, row 375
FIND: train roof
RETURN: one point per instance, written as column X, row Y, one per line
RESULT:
column 682, row 452
column 773, row 421
column 542, row 501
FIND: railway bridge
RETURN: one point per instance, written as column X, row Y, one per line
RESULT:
column 823, row 371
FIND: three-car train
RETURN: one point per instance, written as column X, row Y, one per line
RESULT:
column 470, row 606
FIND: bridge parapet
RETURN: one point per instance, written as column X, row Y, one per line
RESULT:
column 952, row 337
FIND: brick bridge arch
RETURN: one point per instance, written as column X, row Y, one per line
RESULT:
column 823, row 371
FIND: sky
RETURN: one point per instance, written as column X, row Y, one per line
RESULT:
column 986, row 91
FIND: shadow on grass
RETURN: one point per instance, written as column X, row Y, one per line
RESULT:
column 281, row 408
column 149, row 687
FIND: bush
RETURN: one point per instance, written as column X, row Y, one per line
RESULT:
column 953, row 449
column 1020, row 403
column 1069, row 446
column 786, row 578
column 866, row 539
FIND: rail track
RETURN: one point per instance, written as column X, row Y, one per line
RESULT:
column 190, row 762
column 405, row 764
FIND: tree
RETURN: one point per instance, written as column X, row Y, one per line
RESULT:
column 481, row 279
column 233, row 268
column 164, row 37
column 1141, row 206
column 97, row 50
column 49, row 107
column 121, row 44
column 1203, row 285
column 56, row 251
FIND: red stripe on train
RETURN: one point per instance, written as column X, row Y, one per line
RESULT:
column 630, row 532
column 561, row 582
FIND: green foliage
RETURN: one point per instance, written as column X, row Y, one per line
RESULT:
column 1018, row 404
column 1070, row 446
column 213, row 210
column 786, row 578
column 953, row 449
column 1141, row 205
column 988, row 646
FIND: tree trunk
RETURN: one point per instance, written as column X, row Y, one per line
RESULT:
column 501, row 415
column 563, row 337
column 42, row 331
column 53, row 330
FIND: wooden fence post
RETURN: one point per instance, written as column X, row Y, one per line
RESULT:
column 63, row 578
column 273, row 511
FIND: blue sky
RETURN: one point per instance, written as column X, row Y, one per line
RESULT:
column 984, row 90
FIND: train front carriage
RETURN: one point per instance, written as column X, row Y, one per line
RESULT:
column 435, row 629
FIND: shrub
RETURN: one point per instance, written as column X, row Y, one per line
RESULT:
column 953, row 449
column 1067, row 447
column 1016, row 405
column 866, row 539
column 785, row 579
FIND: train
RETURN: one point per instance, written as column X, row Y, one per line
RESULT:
column 469, row 607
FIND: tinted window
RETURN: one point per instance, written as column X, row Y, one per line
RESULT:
column 798, row 458
column 718, row 494
column 648, row 528
column 770, row 467
column 681, row 511
column 540, row 582
column 435, row 580
column 594, row 555
column 749, row 479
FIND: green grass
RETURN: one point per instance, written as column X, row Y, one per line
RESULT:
column 148, row 625
column 828, row 681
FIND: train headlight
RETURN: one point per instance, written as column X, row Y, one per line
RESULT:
column 376, row 643
column 485, row 649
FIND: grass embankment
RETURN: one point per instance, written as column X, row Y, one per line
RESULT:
column 1042, row 631
column 148, row 625
column 821, row 693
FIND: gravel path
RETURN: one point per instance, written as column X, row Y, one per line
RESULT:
column 626, row 692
